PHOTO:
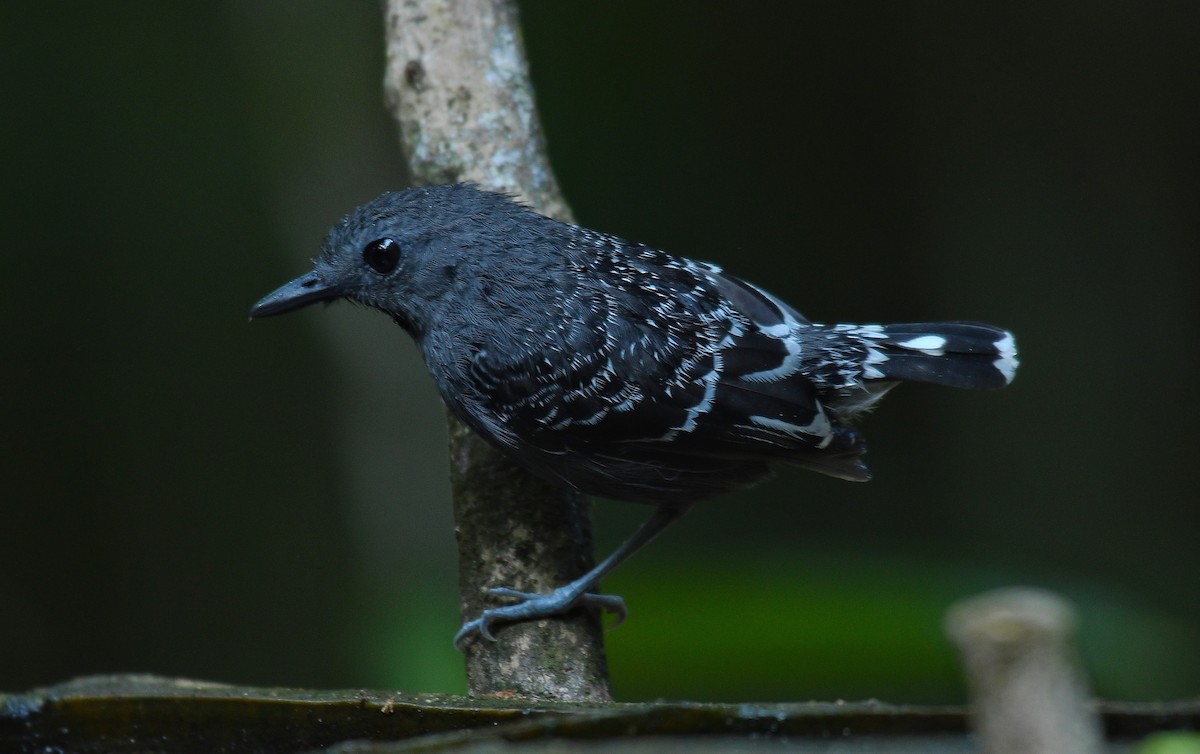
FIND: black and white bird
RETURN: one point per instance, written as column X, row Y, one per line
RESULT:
column 617, row 369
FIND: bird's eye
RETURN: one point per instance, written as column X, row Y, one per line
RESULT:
column 382, row 255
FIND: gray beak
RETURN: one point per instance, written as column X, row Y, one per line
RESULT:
column 304, row 290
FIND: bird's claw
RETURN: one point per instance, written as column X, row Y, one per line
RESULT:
column 533, row 606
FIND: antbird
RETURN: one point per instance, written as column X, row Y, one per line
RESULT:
column 616, row 369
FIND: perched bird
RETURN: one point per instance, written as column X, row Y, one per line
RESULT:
column 616, row 369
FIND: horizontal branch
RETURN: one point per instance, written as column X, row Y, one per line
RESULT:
column 119, row 714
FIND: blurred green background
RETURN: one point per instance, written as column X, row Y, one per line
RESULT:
column 188, row 494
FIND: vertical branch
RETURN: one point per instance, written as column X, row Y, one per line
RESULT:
column 457, row 83
column 1030, row 695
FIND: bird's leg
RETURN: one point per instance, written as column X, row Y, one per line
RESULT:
column 578, row 592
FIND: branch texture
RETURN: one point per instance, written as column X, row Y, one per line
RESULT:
column 1029, row 692
column 457, row 83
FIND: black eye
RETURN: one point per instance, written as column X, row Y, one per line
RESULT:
column 382, row 255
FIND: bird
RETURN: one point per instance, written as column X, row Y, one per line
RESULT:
column 618, row 370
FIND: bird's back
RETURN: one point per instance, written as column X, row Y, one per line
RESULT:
column 642, row 376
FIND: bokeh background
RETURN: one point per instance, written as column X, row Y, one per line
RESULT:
column 188, row 494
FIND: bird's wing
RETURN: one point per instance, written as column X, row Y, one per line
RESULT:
column 664, row 355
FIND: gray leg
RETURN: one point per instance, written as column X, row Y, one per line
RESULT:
column 574, row 594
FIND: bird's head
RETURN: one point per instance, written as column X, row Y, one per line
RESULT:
column 405, row 253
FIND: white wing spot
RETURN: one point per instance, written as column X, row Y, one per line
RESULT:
column 710, row 391
column 869, row 370
column 789, row 365
column 819, row 427
column 875, row 356
column 862, row 331
column 931, row 345
column 1007, row 363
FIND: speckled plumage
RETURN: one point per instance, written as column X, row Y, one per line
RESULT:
column 618, row 369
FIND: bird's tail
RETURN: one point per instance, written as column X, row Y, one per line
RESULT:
column 955, row 354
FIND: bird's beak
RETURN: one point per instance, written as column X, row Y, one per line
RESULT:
column 299, row 293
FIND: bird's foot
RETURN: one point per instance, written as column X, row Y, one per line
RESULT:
column 534, row 606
